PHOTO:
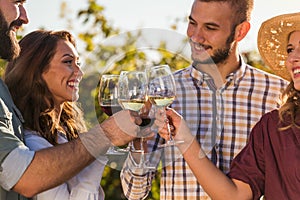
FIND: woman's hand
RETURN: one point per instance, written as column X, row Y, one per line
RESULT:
column 178, row 126
column 162, row 119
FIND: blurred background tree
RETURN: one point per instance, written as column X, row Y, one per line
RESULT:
column 102, row 55
column 2, row 65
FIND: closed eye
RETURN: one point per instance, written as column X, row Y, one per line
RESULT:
column 68, row 61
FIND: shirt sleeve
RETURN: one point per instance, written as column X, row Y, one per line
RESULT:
column 85, row 185
column 10, row 127
column 14, row 165
column 248, row 166
column 136, row 182
column 15, row 157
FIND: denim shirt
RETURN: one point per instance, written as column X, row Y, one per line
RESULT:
column 14, row 155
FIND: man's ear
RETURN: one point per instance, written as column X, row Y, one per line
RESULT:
column 241, row 30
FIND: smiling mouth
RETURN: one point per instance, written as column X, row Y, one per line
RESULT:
column 296, row 71
column 199, row 47
column 73, row 84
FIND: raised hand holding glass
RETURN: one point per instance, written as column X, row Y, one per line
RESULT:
column 162, row 92
column 133, row 96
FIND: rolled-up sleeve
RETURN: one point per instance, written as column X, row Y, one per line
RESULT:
column 15, row 157
column 14, row 165
column 136, row 182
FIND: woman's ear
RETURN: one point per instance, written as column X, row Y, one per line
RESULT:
column 241, row 30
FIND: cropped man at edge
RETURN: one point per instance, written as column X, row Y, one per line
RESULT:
column 219, row 95
column 24, row 173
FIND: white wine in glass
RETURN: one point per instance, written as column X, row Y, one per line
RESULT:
column 162, row 92
column 161, row 101
column 135, row 105
column 133, row 96
column 132, row 92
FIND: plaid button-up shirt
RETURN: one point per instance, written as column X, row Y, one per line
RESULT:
column 221, row 120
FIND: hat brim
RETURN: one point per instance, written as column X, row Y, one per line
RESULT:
column 272, row 41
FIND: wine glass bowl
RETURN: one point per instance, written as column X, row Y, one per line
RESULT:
column 108, row 94
column 161, row 86
column 133, row 96
column 108, row 100
column 162, row 92
column 132, row 90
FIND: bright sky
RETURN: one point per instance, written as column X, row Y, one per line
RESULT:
column 132, row 14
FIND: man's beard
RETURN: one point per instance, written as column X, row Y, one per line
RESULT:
column 219, row 55
column 9, row 47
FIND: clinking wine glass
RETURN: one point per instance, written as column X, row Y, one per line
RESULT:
column 108, row 100
column 133, row 96
column 162, row 92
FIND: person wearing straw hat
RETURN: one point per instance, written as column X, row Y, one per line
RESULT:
column 269, row 164
column 219, row 95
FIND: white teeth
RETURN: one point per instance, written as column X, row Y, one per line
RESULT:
column 198, row 47
column 73, row 84
column 296, row 71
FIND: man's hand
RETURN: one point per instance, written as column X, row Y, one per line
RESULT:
column 122, row 127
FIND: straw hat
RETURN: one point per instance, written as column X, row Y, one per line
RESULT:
column 272, row 41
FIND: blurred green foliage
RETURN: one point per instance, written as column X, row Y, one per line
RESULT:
column 2, row 66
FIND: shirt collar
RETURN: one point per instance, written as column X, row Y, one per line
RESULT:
column 233, row 77
column 238, row 75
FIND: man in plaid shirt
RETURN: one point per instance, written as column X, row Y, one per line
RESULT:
column 219, row 95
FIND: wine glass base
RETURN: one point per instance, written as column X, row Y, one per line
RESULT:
column 124, row 151
column 137, row 150
column 115, row 153
column 170, row 143
column 144, row 164
column 146, row 167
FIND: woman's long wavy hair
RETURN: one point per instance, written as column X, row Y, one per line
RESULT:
column 30, row 93
column 291, row 107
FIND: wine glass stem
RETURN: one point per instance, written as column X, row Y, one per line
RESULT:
column 169, row 131
column 131, row 146
column 142, row 152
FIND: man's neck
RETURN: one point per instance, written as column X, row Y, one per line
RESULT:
column 220, row 71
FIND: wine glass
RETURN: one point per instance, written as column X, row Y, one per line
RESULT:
column 162, row 92
column 133, row 96
column 108, row 101
column 132, row 90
